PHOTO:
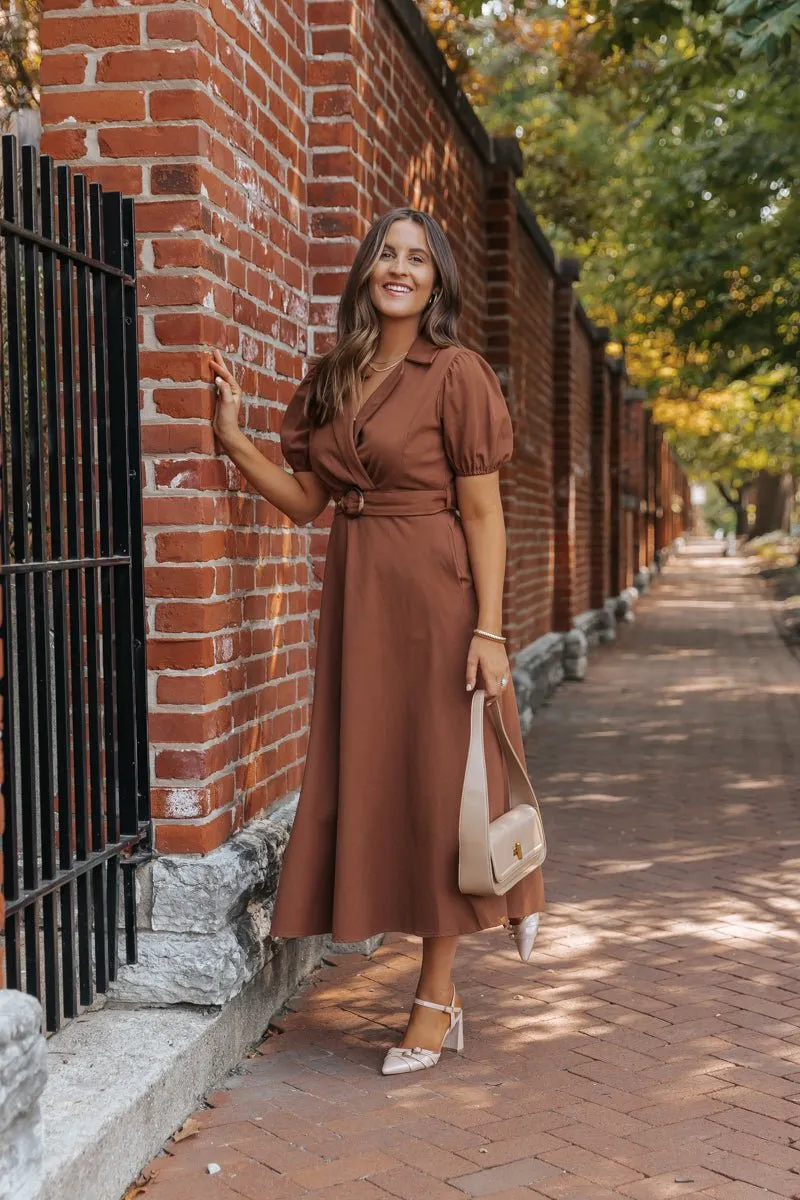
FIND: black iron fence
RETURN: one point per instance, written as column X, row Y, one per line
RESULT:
column 72, row 677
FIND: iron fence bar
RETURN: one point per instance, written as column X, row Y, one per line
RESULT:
column 77, row 625
column 80, row 869
column 136, row 518
column 61, row 664
column 103, row 352
column 88, row 459
column 17, row 633
column 40, row 633
column 66, row 564
column 63, row 252
column 122, row 518
column 11, row 833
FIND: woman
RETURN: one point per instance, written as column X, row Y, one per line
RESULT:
column 406, row 429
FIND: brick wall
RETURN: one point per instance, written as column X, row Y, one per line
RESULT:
column 201, row 113
column 260, row 141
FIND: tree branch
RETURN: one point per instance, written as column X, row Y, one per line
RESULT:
column 726, row 495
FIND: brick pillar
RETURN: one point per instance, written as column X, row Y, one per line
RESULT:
column 341, row 188
column 600, row 469
column 651, row 469
column 616, row 372
column 2, row 794
column 661, row 495
column 342, row 172
column 564, row 498
column 634, row 477
column 502, row 258
column 200, row 113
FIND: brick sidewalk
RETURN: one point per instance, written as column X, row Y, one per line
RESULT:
column 652, row 1047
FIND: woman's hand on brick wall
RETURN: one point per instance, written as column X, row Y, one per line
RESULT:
column 229, row 400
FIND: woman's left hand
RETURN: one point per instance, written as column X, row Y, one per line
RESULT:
column 492, row 661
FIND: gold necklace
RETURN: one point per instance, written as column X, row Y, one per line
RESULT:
column 389, row 367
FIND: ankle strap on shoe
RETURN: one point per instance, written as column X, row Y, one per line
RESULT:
column 448, row 1008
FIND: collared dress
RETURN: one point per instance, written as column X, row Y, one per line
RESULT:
column 374, row 846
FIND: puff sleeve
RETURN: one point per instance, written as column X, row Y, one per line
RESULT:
column 295, row 429
column 476, row 426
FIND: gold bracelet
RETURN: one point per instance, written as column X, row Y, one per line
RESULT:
column 494, row 637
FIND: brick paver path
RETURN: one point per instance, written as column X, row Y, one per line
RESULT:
column 652, row 1047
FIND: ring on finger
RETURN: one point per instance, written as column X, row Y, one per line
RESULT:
column 503, row 681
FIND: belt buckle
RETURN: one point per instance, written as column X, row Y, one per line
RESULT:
column 340, row 503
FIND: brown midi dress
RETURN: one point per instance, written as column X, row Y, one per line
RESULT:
column 374, row 847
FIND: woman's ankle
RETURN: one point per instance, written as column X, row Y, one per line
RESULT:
column 438, row 991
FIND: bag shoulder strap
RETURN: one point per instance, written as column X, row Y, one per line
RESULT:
column 520, row 788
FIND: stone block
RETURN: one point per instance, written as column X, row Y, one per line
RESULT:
column 208, row 927
column 576, row 644
column 22, row 1080
column 607, row 622
column 576, row 668
column 537, row 673
column 203, row 893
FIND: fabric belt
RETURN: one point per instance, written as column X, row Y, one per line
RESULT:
column 397, row 502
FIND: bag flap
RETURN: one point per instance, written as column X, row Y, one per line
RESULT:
column 516, row 838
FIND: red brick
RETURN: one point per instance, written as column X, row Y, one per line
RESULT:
column 56, row 32
column 64, row 144
column 152, row 141
column 62, row 69
column 151, row 65
column 173, row 837
column 92, row 107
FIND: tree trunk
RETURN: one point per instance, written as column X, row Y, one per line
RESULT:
column 741, row 518
column 774, row 499
column 737, row 504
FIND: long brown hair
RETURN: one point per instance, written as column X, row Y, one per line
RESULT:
column 337, row 374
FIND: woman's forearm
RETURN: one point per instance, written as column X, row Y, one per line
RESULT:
column 486, row 543
column 283, row 490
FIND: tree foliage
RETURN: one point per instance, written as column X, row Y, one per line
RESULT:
column 661, row 145
column 19, row 55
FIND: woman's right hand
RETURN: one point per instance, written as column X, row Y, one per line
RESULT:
column 229, row 400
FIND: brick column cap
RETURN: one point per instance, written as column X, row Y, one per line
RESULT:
column 569, row 270
column 506, row 151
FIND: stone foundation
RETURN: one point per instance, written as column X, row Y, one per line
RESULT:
column 545, row 663
column 22, row 1080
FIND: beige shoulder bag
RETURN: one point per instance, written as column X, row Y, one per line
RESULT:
column 494, row 855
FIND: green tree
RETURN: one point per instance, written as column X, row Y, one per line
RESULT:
column 661, row 146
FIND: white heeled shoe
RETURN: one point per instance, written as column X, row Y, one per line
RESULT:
column 402, row 1059
column 524, row 934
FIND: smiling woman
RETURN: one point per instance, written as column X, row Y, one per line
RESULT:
column 407, row 430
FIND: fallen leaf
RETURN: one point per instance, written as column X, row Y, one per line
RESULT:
column 188, row 1129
